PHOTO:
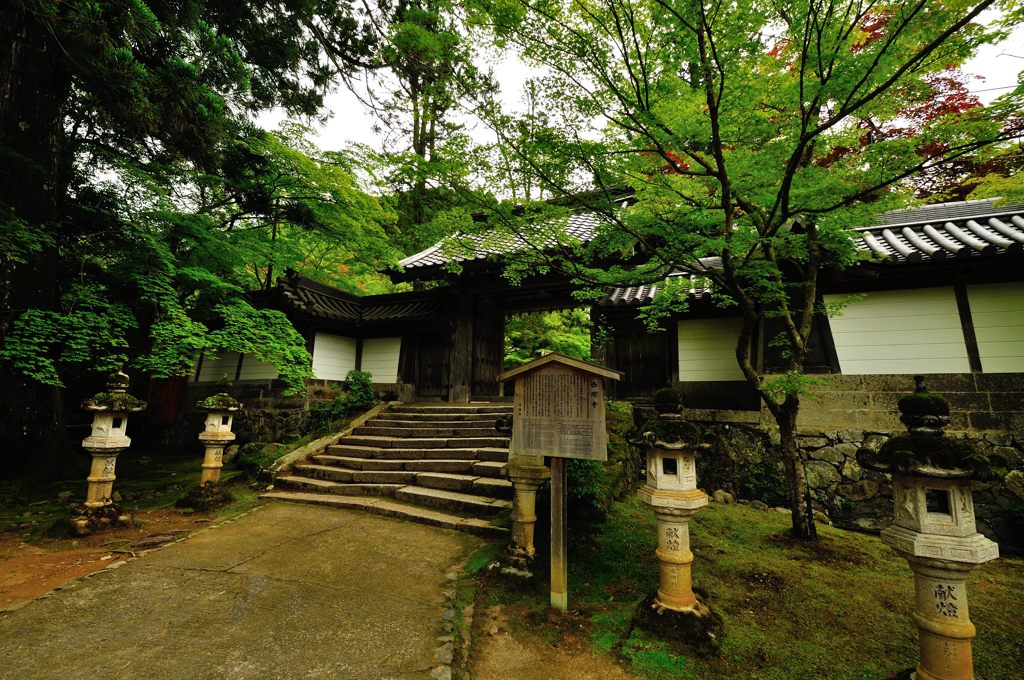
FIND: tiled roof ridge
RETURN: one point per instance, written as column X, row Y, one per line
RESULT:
column 942, row 212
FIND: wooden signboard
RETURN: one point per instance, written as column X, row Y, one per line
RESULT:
column 558, row 411
column 558, row 408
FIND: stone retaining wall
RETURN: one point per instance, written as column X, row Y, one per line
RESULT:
column 745, row 462
column 978, row 402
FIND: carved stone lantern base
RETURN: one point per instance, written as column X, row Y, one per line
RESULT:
column 673, row 510
column 527, row 474
column 699, row 629
column 87, row 519
column 205, row 497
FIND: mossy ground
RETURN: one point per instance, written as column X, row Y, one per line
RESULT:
column 838, row 609
column 31, row 508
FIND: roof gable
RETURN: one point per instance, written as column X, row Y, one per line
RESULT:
column 556, row 358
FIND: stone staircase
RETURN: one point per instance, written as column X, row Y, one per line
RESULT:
column 439, row 464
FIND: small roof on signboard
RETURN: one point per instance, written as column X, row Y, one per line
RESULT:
column 556, row 358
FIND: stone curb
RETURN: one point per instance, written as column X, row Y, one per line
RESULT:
column 452, row 655
column 321, row 444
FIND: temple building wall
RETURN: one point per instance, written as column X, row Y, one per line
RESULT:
column 915, row 331
column 380, row 358
column 997, row 311
column 707, row 350
column 333, row 356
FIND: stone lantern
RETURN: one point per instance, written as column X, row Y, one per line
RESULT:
column 108, row 438
column 934, row 529
column 220, row 413
column 671, row 490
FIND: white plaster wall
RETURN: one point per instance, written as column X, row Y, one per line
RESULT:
column 254, row 369
column 998, row 313
column 380, row 358
column 216, row 366
column 707, row 350
column 900, row 332
column 333, row 356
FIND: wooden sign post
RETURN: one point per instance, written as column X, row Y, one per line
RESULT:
column 558, row 411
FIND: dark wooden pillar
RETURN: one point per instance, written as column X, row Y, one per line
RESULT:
column 488, row 346
column 462, row 350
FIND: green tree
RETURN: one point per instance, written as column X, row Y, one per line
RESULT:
column 737, row 127
column 138, row 88
column 423, row 67
column 283, row 203
column 533, row 334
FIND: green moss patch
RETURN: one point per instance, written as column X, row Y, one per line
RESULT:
column 113, row 401
column 837, row 609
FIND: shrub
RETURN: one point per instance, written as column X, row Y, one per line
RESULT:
column 357, row 396
column 667, row 400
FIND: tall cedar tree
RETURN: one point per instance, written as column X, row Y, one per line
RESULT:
column 741, row 128
column 424, row 65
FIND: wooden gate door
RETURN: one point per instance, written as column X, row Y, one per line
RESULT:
column 433, row 368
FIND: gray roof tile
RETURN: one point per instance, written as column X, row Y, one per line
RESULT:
column 932, row 233
column 466, row 247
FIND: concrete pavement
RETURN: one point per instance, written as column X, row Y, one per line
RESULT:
column 287, row 591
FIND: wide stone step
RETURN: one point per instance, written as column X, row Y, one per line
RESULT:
column 311, row 484
column 396, row 509
column 451, row 410
column 339, row 474
column 372, row 430
column 493, row 454
column 471, row 484
column 490, row 468
column 446, row 481
column 419, row 465
column 453, row 500
column 371, row 452
column 425, row 442
column 432, row 420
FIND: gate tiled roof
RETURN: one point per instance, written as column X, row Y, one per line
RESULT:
column 465, row 247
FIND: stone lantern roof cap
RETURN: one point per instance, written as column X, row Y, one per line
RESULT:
column 116, row 398
column 922, row 411
column 222, row 401
column 926, row 451
column 670, row 431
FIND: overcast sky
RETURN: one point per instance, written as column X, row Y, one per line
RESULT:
column 996, row 68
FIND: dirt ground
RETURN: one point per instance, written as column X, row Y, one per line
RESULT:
column 498, row 655
column 30, row 570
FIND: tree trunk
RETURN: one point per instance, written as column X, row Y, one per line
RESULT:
column 33, row 89
column 796, row 476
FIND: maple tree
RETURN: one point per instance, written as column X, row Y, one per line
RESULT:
column 752, row 137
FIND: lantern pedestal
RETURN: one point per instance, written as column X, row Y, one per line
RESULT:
column 526, row 473
column 213, row 461
column 101, row 475
column 675, row 559
column 944, row 628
